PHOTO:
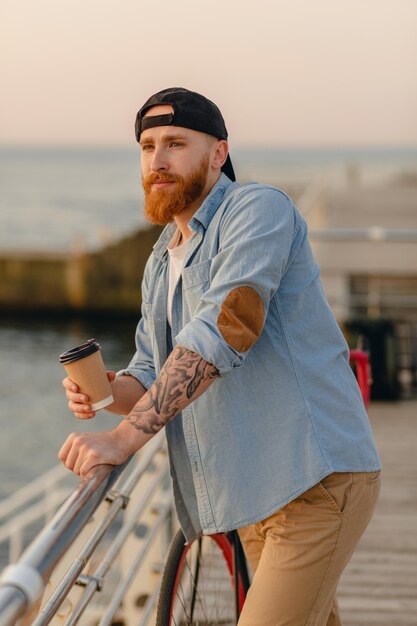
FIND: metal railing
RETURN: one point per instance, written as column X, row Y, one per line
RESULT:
column 30, row 508
column 37, row 489
column 373, row 234
column 23, row 584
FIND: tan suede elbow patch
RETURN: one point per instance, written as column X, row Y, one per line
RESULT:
column 241, row 318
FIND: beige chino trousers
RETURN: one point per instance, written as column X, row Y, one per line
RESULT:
column 299, row 553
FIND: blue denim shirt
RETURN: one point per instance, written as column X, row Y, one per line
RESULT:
column 286, row 411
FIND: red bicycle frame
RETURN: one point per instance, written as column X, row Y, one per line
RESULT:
column 363, row 373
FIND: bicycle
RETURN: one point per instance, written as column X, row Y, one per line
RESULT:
column 204, row 583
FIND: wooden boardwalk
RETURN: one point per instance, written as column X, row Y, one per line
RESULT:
column 379, row 586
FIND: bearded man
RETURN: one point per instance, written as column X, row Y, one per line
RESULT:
column 239, row 357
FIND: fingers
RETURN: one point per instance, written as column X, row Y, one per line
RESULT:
column 78, row 403
column 65, row 448
column 69, row 384
column 78, row 455
column 83, row 451
column 70, row 450
column 85, row 461
column 81, row 411
column 111, row 375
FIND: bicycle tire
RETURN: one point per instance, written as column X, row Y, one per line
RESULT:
column 198, row 584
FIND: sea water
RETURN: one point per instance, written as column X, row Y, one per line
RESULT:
column 34, row 417
column 60, row 198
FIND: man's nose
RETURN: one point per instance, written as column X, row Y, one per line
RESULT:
column 159, row 160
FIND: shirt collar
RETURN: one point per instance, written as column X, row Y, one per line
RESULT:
column 201, row 218
column 210, row 205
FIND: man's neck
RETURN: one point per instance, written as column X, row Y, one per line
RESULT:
column 183, row 219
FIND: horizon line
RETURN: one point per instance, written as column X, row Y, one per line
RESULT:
column 237, row 146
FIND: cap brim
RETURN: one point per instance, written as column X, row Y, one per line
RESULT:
column 227, row 169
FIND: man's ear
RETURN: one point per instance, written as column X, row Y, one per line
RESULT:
column 220, row 152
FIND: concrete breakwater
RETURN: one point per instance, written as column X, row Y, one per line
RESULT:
column 103, row 282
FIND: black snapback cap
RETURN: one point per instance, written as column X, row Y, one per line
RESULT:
column 191, row 110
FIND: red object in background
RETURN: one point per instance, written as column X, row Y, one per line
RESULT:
column 360, row 360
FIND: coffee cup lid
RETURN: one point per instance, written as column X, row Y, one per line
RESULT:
column 79, row 352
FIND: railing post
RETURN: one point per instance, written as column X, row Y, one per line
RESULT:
column 142, row 587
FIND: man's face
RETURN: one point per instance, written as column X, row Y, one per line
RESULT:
column 175, row 168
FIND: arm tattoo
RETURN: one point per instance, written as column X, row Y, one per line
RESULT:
column 183, row 378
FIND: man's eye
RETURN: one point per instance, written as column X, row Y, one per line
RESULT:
column 146, row 147
column 176, row 144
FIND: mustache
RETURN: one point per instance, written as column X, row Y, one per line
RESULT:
column 161, row 178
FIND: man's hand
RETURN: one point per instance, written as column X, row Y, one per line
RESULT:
column 78, row 402
column 83, row 451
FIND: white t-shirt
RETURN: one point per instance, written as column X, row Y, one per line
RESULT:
column 176, row 262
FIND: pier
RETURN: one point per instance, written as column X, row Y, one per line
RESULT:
column 379, row 586
column 103, row 282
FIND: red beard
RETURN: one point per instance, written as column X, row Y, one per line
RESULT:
column 161, row 205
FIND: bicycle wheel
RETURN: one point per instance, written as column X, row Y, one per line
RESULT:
column 198, row 585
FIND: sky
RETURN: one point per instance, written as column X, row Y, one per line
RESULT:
column 283, row 72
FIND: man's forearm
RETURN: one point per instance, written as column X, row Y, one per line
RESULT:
column 127, row 391
column 183, row 378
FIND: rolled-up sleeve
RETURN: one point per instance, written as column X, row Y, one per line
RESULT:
column 142, row 365
column 255, row 237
